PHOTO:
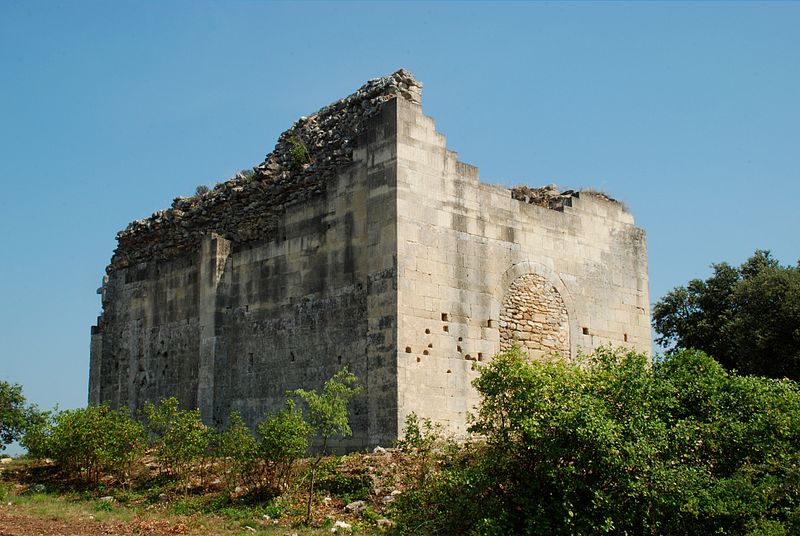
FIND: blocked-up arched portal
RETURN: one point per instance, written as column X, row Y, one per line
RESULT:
column 534, row 316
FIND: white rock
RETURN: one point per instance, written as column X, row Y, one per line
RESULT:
column 356, row 506
column 341, row 525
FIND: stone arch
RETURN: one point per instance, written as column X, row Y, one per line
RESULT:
column 522, row 268
column 535, row 317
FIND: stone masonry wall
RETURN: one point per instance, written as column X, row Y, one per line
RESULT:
column 230, row 325
column 250, row 206
column 534, row 316
column 465, row 251
column 362, row 241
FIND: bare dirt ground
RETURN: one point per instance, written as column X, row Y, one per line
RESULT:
column 17, row 523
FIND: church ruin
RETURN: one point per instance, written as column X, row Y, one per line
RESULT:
column 362, row 241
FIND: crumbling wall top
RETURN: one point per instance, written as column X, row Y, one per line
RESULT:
column 247, row 206
column 550, row 197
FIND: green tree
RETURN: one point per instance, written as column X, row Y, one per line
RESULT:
column 328, row 416
column 747, row 317
column 89, row 442
column 13, row 413
column 617, row 445
column 38, row 432
column 179, row 436
column 238, row 449
column 283, row 439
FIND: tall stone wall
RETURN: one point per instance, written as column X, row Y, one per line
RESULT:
column 479, row 267
column 361, row 240
column 231, row 325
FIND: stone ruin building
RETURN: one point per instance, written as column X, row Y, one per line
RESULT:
column 362, row 241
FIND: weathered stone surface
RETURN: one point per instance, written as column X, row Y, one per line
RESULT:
column 248, row 207
column 362, row 241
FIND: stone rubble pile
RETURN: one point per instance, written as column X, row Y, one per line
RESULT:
column 248, row 207
column 547, row 197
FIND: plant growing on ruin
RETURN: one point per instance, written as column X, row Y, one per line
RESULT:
column 328, row 416
column 421, row 439
column 298, row 152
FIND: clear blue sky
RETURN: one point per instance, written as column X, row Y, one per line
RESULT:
column 688, row 112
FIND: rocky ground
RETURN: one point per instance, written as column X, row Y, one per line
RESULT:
column 354, row 494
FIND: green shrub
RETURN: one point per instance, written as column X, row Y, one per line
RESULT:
column 6, row 488
column 328, row 416
column 37, row 434
column 179, row 436
column 421, row 438
column 91, row 441
column 12, row 413
column 348, row 488
column 282, row 440
column 237, row 449
column 617, row 445
column 298, row 152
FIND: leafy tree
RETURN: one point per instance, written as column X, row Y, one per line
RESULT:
column 36, row 437
column 283, row 439
column 617, row 445
column 328, row 416
column 238, row 448
column 88, row 442
column 421, row 439
column 747, row 317
column 179, row 436
column 13, row 413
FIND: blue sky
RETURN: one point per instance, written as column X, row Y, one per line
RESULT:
column 686, row 111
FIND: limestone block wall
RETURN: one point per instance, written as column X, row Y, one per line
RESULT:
column 146, row 344
column 475, row 266
column 234, row 325
column 376, row 249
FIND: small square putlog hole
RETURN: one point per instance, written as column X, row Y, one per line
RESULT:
column 408, row 349
column 490, row 323
column 427, row 331
column 585, row 331
column 445, row 328
column 480, row 356
column 445, row 317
